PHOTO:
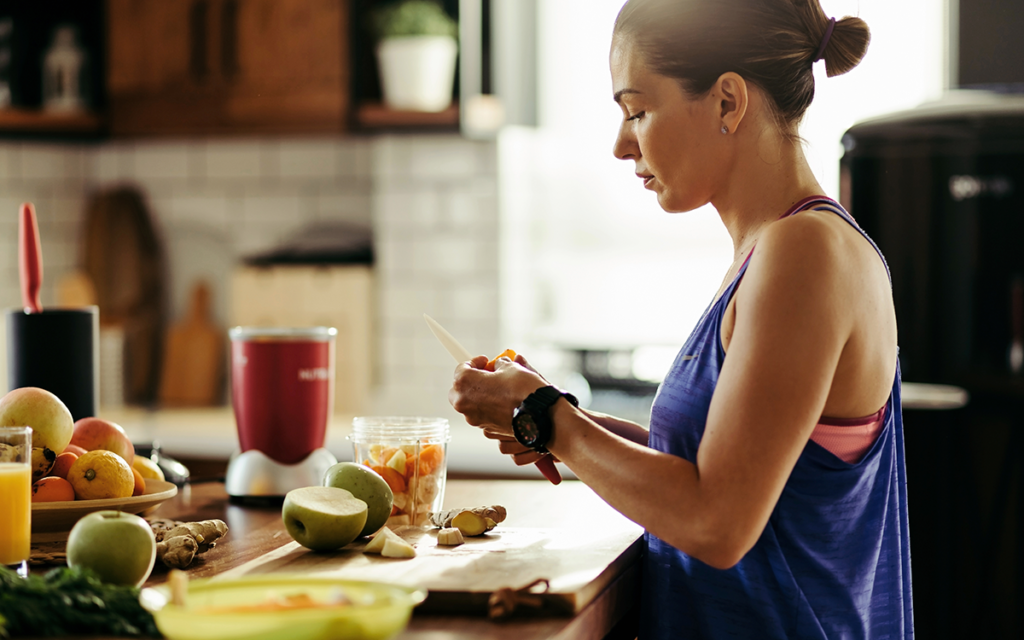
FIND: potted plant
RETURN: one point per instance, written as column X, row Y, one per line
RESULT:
column 416, row 52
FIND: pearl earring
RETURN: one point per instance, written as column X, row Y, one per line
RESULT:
column 725, row 129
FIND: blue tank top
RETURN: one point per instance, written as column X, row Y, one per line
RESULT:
column 834, row 559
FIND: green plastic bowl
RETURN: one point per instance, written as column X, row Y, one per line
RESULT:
column 378, row 610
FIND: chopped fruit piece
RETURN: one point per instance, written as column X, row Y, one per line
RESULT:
column 397, row 462
column 394, row 479
column 507, row 353
column 397, row 549
column 450, row 537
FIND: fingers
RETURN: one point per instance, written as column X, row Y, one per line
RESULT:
column 498, row 435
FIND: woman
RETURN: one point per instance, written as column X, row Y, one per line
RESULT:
column 772, row 482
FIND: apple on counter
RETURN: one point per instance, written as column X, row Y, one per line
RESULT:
column 119, row 547
column 49, row 418
column 366, row 485
column 323, row 518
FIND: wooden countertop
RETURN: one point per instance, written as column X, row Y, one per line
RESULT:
column 258, row 543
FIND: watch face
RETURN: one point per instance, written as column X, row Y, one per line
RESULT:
column 526, row 430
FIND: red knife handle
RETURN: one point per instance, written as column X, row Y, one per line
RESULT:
column 549, row 470
column 30, row 256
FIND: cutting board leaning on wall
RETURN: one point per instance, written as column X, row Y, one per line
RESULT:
column 124, row 258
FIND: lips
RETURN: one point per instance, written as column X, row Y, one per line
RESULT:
column 646, row 178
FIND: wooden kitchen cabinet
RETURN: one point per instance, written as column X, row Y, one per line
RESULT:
column 193, row 67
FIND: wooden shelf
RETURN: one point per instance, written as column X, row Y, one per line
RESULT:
column 374, row 115
column 33, row 121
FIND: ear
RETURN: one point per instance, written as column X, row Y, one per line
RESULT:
column 731, row 90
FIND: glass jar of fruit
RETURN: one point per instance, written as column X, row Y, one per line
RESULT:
column 411, row 454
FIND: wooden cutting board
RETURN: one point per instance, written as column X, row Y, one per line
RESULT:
column 569, row 536
column 193, row 361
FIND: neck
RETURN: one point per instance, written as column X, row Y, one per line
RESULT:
column 769, row 175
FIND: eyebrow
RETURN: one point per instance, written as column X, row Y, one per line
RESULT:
column 618, row 94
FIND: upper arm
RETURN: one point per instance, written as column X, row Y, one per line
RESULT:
column 792, row 322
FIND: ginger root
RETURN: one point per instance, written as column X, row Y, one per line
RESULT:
column 178, row 543
column 443, row 519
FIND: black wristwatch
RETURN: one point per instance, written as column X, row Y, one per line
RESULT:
column 531, row 421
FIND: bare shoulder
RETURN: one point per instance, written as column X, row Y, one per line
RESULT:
column 811, row 248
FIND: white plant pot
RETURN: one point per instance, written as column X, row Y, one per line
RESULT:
column 417, row 72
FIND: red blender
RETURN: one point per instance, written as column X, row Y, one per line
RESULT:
column 282, row 385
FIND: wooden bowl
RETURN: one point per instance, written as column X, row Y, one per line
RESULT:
column 53, row 520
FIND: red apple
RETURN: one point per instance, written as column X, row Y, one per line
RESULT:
column 74, row 448
column 93, row 433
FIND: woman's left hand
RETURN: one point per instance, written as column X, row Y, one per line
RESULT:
column 488, row 398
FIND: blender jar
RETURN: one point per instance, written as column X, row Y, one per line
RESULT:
column 411, row 454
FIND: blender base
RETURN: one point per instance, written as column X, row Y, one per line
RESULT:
column 255, row 474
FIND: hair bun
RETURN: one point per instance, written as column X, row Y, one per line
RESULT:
column 847, row 45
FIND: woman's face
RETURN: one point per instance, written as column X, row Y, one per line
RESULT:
column 675, row 141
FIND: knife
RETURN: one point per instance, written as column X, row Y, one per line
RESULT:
column 546, row 465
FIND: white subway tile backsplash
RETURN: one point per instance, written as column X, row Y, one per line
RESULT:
column 406, row 301
column 10, row 157
column 352, row 205
column 354, row 157
column 161, row 161
column 236, row 159
column 308, row 159
column 110, row 163
column 46, row 162
column 259, row 208
column 207, row 209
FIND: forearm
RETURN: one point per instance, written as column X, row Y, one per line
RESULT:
column 658, row 491
column 623, row 428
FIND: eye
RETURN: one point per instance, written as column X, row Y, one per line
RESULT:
column 636, row 116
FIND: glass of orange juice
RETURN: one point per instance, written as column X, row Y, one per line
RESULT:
column 15, row 497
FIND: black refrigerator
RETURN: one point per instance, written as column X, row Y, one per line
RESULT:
column 941, row 191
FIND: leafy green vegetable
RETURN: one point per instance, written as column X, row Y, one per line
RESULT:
column 67, row 602
column 413, row 18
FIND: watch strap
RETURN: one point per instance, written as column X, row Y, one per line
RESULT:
column 538, row 404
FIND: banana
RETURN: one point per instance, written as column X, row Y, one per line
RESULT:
column 42, row 462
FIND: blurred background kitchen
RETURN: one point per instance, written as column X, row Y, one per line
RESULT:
column 200, row 164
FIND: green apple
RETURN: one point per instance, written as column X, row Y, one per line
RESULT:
column 323, row 518
column 119, row 547
column 367, row 485
column 49, row 418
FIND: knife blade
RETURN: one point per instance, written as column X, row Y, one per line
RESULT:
column 545, row 465
column 447, row 341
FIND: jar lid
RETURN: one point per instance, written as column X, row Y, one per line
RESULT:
column 371, row 428
column 282, row 334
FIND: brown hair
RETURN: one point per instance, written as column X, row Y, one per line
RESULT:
column 771, row 43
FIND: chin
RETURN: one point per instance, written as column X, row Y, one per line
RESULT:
column 678, row 205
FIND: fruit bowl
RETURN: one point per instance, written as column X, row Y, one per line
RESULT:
column 228, row 609
column 53, row 520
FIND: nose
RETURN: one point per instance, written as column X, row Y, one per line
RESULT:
column 625, row 147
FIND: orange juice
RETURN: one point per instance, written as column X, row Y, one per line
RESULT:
column 15, row 512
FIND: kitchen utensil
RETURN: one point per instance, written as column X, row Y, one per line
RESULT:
column 15, row 496
column 56, row 350
column 124, row 258
column 545, row 465
column 193, row 354
column 411, row 453
column 30, row 259
column 282, row 383
column 377, row 610
column 53, row 520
